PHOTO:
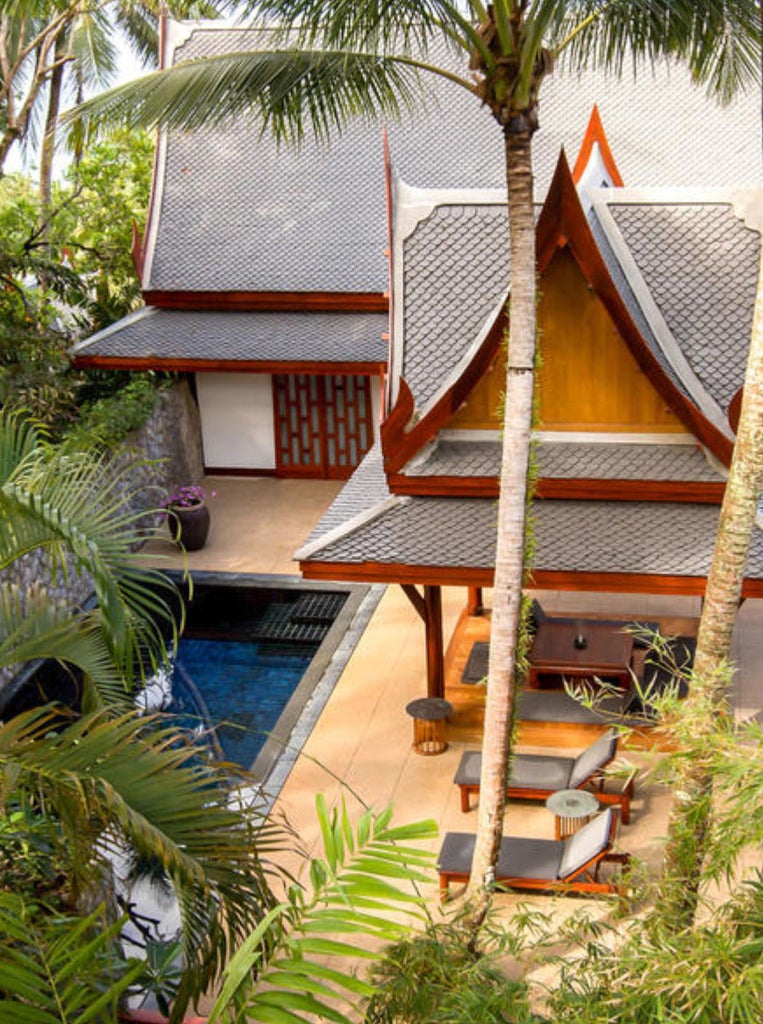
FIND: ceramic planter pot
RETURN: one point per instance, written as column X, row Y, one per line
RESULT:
column 189, row 524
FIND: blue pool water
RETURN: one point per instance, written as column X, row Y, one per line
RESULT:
column 243, row 687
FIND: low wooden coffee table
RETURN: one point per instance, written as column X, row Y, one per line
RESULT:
column 583, row 649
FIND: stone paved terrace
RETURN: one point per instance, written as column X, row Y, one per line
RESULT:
column 364, row 736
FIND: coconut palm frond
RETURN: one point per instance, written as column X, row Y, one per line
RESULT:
column 287, row 92
column 138, row 781
column 54, row 968
column 34, row 626
column 74, row 507
column 366, row 878
column 402, row 26
column 719, row 41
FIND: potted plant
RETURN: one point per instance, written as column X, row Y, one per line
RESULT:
column 188, row 516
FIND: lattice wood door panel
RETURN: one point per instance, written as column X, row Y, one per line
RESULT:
column 324, row 425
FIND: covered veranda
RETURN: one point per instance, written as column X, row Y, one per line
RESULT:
column 633, row 549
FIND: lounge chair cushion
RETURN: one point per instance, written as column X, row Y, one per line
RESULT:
column 585, row 844
column 550, row 860
column 593, row 759
column 528, row 771
column 559, row 706
column 519, row 856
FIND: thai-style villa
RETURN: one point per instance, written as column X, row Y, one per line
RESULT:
column 341, row 309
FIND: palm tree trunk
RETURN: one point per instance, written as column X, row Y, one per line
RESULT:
column 691, row 809
column 47, row 150
column 512, row 503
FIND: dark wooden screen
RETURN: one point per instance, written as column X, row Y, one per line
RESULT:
column 324, row 425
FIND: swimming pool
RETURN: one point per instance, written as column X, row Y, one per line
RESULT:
column 258, row 659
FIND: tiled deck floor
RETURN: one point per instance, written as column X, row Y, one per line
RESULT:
column 363, row 736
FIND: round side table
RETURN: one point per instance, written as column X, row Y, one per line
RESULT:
column 572, row 808
column 429, row 714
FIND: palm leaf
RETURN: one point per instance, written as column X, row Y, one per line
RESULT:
column 284, row 91
column 33, row 626
column 73, row 506
column 295, row 982
column 144, row 785
column 59, row 970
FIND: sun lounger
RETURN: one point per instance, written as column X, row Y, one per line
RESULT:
column 537, row 776
column 539, row 864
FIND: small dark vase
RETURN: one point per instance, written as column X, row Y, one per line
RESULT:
column 189, row 525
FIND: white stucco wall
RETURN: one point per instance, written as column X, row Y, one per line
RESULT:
column 237, row 420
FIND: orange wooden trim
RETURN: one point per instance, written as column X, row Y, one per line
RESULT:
column 563, row 216
column 540, row 579
column 595, row 133
column 450, row 486
column 696, row 492
column 397, row 572
column 225, row 365
column 398, row 444
column 735, row 409
column 326, row 302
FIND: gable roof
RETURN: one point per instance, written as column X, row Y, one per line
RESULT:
column 681, row 299
column 234, row 212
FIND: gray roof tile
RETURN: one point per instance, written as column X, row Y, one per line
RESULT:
column 700, row 263
column 573, row 536
column 237, row 213
column 573, row 460
column 626, row 292
column 447, row 300
column 299, row 337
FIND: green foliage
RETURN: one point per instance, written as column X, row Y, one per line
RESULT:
column 366, row 880
column 709, row 974
column 437, row 978
column 110, row 419
column 70, row 278
column 57, row 969
column 68, row 505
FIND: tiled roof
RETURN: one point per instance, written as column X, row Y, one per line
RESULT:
column 572, row 460
column 238, row 213
column 364, row 491
column 700, row 263
column 626, row 292
column 300, row 337
column 456, row 269
column 652, row 538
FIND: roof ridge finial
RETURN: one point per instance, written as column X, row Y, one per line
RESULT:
column 595, row 135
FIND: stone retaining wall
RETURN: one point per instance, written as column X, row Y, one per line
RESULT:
column 169, row 451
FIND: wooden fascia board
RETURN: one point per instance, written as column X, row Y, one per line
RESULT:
column 399, row 444
column 617, row 583
column 595, row 133
column 563, row 223
column 274, row 302
column 577, row 489
column 364, row 369
column 397, row 572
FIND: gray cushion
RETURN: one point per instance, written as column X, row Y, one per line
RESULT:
column 593, row 758
column 528, row 771
column 558, row 706
column 519, row 857
column 591, row 840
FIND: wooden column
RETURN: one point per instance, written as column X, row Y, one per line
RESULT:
column 433, row 627
column 430, row 609
column 474, row 605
